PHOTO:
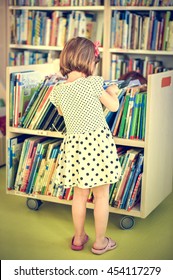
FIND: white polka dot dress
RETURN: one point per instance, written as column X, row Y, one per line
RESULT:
column 88, row 155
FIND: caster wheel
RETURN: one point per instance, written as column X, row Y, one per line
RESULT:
column 127, row 222
column 33, row 204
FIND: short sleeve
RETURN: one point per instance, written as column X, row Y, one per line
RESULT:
column 97, row 85
column 54, row 96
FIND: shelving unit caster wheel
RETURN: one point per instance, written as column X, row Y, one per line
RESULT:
column 127, row 222
column 33, row 204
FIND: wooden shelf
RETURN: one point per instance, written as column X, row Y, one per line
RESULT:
column 134, row 212
column 140, row 52
column 39, row 47
column 38, row 132
column 35, row 47
column 58, row 8
column 129, row 142
column 56, row 134
column 139, row 8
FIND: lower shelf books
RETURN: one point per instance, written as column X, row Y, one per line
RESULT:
column 32, row 163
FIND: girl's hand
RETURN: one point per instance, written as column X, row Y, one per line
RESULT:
column 113, row 90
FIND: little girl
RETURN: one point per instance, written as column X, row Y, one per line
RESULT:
column 88, row 157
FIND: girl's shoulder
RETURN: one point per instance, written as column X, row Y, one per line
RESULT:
column 95, row 79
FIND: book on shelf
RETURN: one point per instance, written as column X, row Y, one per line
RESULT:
column 138, row 171
column 15, row 145
column 41, row 108
column 50, row 168
column 135, row 115
column 22, row 87
column 130, row 157
column 140, row 30
column 170, row 37
column 29, row 163
column 135, row 198
column 22, row 164
column 115, row 126
column 54, row 28
column 26, row 162
column 30, row 103
column 54, row 144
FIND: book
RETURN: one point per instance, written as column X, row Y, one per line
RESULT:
column 135, row 198
column 144, row 116
column 138, row 170
column 41, row 108
column 15, row 145
column 50, row 168
column 118, row 116
column 166, row 30
column 127, row 166
column 41, row 148
column 128, row 184
column 124, row 115
column 29, row 159
column 27, row 84
column 135, row 113
column 21, row 166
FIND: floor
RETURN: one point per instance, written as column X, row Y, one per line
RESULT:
column 46, row 234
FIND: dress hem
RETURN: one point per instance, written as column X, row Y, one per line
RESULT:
column 107, row 183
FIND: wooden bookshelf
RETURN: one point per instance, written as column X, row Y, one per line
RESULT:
column 158, row 149
column 106, row 50
column 158, row 162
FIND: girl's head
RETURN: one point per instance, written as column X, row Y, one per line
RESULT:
column 79, row 54
column 134, row 75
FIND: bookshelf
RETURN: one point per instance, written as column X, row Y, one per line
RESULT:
column 51, row 50
column 154, row 53
column 158, row 150
column 3, row 48
column 107, row 50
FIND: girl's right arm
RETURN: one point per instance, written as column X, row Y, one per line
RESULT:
column 109, row 98
column 59, row 111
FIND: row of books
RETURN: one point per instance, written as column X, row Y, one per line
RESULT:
column 32, row 163
column 153, row 31
column 30, row 101
column 129, row 121
column 26, row 57
column 122, row 64
column 148, row 3
column 54, row 28
column 50, row 3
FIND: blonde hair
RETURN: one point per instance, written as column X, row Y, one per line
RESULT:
column 78, row 55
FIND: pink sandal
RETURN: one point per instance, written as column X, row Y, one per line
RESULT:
column 110, row 246
column 79, row 247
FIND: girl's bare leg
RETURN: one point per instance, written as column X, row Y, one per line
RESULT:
column 79, row 213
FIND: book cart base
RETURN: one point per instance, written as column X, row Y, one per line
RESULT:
column 33, row 202
column 158, row 149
